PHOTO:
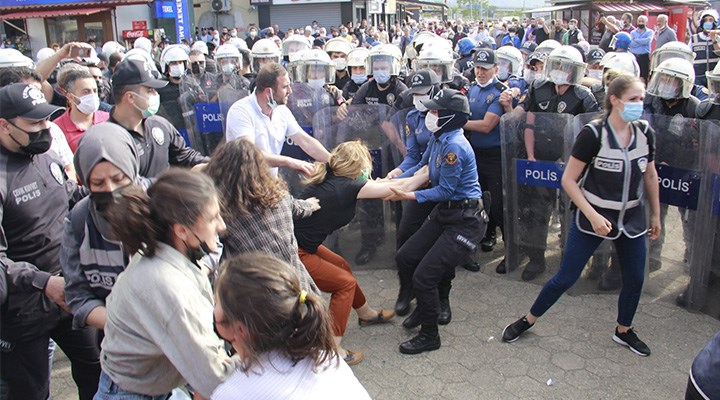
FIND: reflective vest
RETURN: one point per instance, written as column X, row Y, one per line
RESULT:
column 705, row 57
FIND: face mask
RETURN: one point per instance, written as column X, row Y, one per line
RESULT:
column 228, row 69
column 176, row 70
column 197, row 69
column 364, row 176
column 39, row 143
column 88, row 103
column 503, row 73
column 382, row 77
column 233, row 34
column 667, row 91
column 343, row 33
column 417, row 102
column 632, row 112
column 559, row 77
column 271, row 101
column 431, row 122
column 198, row 253
column 316, row 83
column 340, row 64
column 359, row 79
column 253, row 33
column 483, row 85
column 641, row 26
column 529, row 75
column 572, row 27
column 708, row 26
column 153, row 105
column 595, row 74
column 103, row 200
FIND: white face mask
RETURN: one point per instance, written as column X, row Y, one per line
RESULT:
column 316, row 83
column 666, row 91
column 595, row 74
column 431, row 122
column 228, row 69
column 88, row 103
column 340, row 64
column 529, row 75
column 559, row 77
column 176, row 70
column 417, row 102
column 503, row 72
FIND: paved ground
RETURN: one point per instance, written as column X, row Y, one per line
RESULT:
column 571, row 346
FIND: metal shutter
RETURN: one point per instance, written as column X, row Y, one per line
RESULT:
column 297, row 16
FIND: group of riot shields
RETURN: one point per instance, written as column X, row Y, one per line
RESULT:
column 685, row 259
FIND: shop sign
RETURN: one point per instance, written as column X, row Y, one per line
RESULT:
column 164, row 9
column 139, row 25
column 134, row 34
column 182, row 24
column 282, row 2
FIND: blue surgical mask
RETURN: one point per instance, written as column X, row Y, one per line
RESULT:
column 382, row 77
column 632, row 112
column 708, row 26
column 359, row 79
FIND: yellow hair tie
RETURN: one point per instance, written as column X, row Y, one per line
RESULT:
column 303, row 296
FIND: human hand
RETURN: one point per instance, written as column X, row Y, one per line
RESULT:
column 74, row 50
column 55, row 291
column 342, row 111
column 314, row 203
column 506, row 98
column 394, row 173
column 655, row 227
column 301, row 166
column 423, row 170
column 600, row 224
column 398, row 195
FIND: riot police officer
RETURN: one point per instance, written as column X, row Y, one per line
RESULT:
column 483, row 132
column 338, row 50
column 202, row 47
column 559, row 91
column 466, row 48
column 705, row 46
column 264, row 51
column 358, row 75
column 454, row 227
column 677, row 49
column 174, row 64
column 291, row 45
column 229, row 62
column 437, row 55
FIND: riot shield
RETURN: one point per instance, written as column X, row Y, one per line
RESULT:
column 201, row 111
column 533, row 148
column 231, row 88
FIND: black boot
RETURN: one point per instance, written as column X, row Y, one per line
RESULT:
column 402, row 305
column 445, row 315
column 420, row 343
column 413, row 321
column 488, row 242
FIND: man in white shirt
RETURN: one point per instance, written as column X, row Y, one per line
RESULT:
column 263, row 118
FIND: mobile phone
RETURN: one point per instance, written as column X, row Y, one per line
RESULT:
column 79, row 52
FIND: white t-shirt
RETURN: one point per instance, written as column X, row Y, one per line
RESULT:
column 281, row 380
column 245, row 119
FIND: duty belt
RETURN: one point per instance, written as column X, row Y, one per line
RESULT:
column 464, row 204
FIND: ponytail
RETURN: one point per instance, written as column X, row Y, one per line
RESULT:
column 318, row 175
column 134, row 226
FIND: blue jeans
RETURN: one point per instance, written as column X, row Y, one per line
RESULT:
column 108, row 390
column 578, row 249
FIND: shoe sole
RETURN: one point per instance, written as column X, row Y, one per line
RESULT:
column 486, row 249
column 624, row 343
column 433, row 348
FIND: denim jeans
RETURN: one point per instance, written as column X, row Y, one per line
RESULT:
column 108, row 390
column 578, row 250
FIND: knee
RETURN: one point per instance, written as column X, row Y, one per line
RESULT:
column 421, row 283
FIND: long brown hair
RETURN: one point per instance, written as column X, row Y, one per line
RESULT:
column 243, row 179
column 140, row 220
column 347, row 159
column 263, row 293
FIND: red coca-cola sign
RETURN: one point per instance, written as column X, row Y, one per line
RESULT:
column 134, row 34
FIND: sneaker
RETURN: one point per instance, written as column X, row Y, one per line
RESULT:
column 631, row 341
column 513, row 331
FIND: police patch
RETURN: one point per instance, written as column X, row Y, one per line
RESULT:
column 158, row 135
column 543, row 106
column 390, row 99
column 642, row 164
column 451, row 158
column 562, row 106
column 407, row 130
column 489, row 99
column 522, row 98
column 57, row 173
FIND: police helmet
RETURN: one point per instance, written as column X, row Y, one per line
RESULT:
column 465, row 46
column 439, row 59
column 411, row 52
column 238, row 43
column 315, row 66
column 263, row 51
column 674, row 78
column 357, row 57
column 200, row 46
column 294, row 63
column 564, row 66
column 144, row 57
column 112, row 47
column 621, row 41
column 509, row 62
column 13, row 58
column 546, row 46
column 384, row 53
column 673, row 49
column 624, row 62
column 340, row 46
column 143, row 43
column 713, row 79
column 44, row 53
column 170, row 54
column 293, row 44
column 228, row 58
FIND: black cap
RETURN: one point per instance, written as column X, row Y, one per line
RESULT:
column 594, row 56
column 528, row 47
column 535, row 57
column 484, row 58
column 135, row 72
column 448, row 99
column 26, row 101
column 422, row 81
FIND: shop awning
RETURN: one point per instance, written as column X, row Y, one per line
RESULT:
column 635, row 7
column 422, row 3
column 52, row 13
column 551, row 8
column 39, row 5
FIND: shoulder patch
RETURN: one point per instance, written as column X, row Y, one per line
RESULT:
column 451, row 158
column 522, row 98
column 158, row 135
column 57, row 173
column 407, row 130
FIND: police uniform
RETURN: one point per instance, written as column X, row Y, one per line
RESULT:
column 340, row 82
column 194, row 90
column 536, row 203
column 701, row 92
column 464, row 63
column 705, row 56
column 349, row 90
column 454, row 227
column 34, row 198
column 487, row 149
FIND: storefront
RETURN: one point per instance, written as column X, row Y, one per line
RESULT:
column 31, row 25
column 300, row 13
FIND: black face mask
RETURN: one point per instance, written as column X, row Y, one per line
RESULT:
column 103, row 200
column 641, row 26
column 197, row 69
column 39, row 143
column 198, row 253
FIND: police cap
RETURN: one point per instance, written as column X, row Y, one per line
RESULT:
column 484, row 58
column 448, row 99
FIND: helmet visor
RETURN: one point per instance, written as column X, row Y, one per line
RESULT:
column 562, row 72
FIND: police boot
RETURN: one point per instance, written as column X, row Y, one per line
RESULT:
column 445, row 315
column 413, row 321
column 424, row 341
column 488, row 242
column 682, row 299
column 402, row 305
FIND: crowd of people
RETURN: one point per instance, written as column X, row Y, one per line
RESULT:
column 164, row 260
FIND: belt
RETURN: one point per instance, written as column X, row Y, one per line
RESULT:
column 464, row 204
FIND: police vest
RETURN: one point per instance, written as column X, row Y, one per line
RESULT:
column 573, row 37
column 547, row 100
column 705, row 57
column 613, row 181
column 707, row 109
column 657, row 105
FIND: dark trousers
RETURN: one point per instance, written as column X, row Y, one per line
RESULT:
column 643, row 61
column 414, row 214
column 489, row 168
column 372, row 224
column 536, row 206
column 427, row 260
column 25, row 371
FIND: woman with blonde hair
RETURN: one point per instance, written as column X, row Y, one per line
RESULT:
column 338, row 185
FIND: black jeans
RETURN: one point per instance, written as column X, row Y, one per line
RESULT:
column 427, row 260
column 24, row 368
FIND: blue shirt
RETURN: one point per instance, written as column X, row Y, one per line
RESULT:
column 483, row 100
column 453, row 173
column 515, row 41
column 417, row 137
column 640, row 41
